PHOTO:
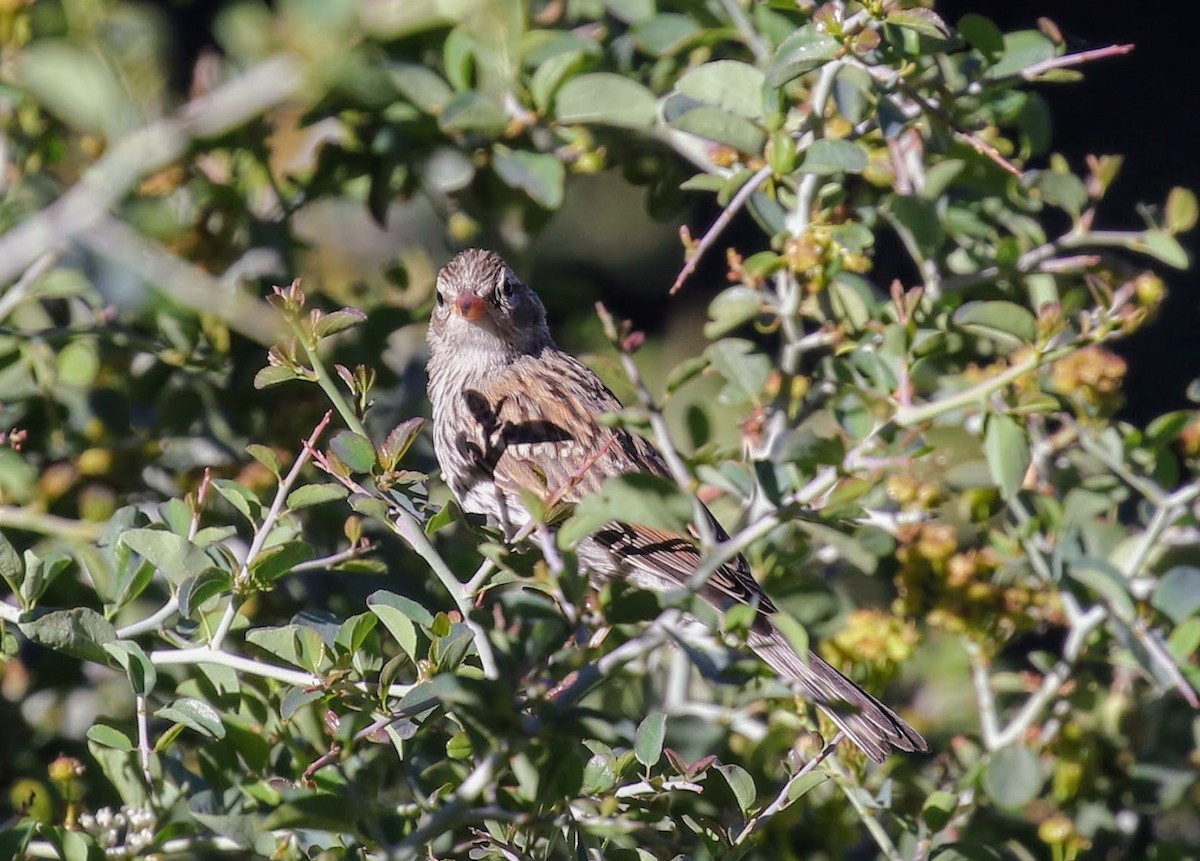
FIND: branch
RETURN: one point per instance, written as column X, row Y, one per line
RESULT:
column 28, row 520
column 183, row 282
column 1030, row 73
column 264, row 530
column 710, row 236
column 271, row 82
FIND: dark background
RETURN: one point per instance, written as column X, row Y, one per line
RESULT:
column 1143, row 105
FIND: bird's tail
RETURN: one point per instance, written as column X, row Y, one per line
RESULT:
column 866, row 721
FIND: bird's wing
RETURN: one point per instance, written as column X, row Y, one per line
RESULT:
column 544, row 435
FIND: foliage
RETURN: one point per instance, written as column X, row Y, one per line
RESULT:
column 221, row 632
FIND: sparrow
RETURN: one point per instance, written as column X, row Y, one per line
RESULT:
column 512, row 413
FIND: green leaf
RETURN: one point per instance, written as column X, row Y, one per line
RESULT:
column 315, row 494
column 745, row 369
column 539, row 175
column 730, row 309
column 241, row 498
column 938, row 809
column 1181, row 210
column 110, row 737
column 195, row 591
column 648, row 743
column 421, row 86
column 274, row 562
column 1163, row 247
column 1061, row 189
column 630, row 11
column 741, row 783
column 917, row 217
column 174, row 556
column 716, row 125
column 664, row 34
column 398, row 615
column 600, row 774
column 851, row 300
column 1006, row 323
column 1022, row 49
column 266, row 456
column 78, row 632
column 685, row 372
column 136, row 664
column 634, row 498
column 459, row 746
column 796, row 633
column 804, row 50
column 273, row 375
column 1178, row 593
column 800, row 787
column 474, row 112
column 924, row 21
column 982, row 35
column 827, row 156
column 1107, row 581
column 550, row 74
column 354, row 450
column 353, row 632
column 732, row 86
column 196, row 715
column 336, row 321
column 398, row 442
column 76, row 85
column 1006, row 447
column 12, row 569
column 1013, row 777
column 607, row 98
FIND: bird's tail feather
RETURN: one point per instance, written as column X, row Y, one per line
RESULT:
column 865, row 720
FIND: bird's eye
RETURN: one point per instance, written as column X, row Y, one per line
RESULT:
column 441, row 300
column 506, row 288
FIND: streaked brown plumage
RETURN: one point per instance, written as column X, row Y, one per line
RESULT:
column 512, row 412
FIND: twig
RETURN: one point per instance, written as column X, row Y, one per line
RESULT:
column 782, row 800
column 405, row 525
column 182, row 281
column 1030, row 73
column 12, row 517
column 710, row 236
column 143, row 733
column 16, row 294
column 798, row 219
column 206, row 655
column 264, row 530
column 865, row 814
column 449, row 814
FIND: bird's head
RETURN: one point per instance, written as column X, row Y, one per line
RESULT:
column 482, row 305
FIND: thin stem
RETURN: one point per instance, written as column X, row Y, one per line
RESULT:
column 710, row 236
column 16, row 294
column 865, row 814
column 205, row 655
column 783, row 800
column 27, row 520
column 1030, row 73
column 143, row 733
column 329, row 386
column 264, row 531
column 977, row 394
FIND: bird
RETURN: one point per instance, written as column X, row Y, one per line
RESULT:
column 513, row 414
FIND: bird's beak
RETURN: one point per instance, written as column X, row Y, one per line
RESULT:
column 469, row 306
